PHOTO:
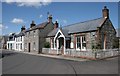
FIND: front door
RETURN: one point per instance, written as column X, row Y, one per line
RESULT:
column 28, row 47
column 61, row 45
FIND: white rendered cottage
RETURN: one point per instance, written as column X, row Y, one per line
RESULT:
column 11, row 41
column 19, row 40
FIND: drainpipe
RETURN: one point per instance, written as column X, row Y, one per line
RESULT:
column 54, row 44
column 57, row 46
column 64, row 45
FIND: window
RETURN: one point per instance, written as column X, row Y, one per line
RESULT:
column 27, row 34
column 81, row 42
column 21, row 46
column 16, row 39
column 25, row 45
column 21, row 38
column 16, row 46
column 8, row 45
column 34, row 33
column 34, row 45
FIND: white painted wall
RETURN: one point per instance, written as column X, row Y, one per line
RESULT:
column 18, row 43
column 9, row 46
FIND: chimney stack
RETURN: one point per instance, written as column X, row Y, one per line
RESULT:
column 22, row 28
column 56, row 25
column 49, row 17
column 32, row 24
column 105, row 12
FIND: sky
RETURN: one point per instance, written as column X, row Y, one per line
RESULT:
column 15, row 15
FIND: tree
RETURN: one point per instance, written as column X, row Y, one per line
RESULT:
column 46, row 45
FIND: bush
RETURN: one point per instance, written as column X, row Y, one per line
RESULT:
column 46, row 45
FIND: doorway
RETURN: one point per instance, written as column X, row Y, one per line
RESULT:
column 61, row 45
column 28, row 47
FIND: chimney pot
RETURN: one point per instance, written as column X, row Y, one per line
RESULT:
column 56, row 25
column 32, row 24
column 49, row 17
column 23, row 28
column 105, row 12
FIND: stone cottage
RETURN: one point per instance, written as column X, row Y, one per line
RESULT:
column 83, row 36
column 35, row 35
column 3, row 42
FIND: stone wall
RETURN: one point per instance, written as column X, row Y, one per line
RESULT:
column 32, row 37
column 99, row 54
column 107, row 30
column 89, row 54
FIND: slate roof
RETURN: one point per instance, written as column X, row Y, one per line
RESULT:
column 20, row 34
column 39, row 26
column 53, row 32
column 90, row 25
column 12, row 34
column 85, row 26
column 65, row 32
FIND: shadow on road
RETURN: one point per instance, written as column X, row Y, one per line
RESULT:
column 7, row 54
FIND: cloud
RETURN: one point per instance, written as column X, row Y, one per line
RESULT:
column 17, row 21
column 3, row 26
column 41, row 16
column 29, row 3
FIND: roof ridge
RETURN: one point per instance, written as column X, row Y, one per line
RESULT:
column 41, row 23
column 82, row 22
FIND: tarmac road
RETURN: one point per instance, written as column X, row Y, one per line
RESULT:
column 21, row 63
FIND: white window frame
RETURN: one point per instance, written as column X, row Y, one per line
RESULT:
column 81, row 43
column 52, row 43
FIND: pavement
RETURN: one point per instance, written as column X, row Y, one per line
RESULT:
column 58, row 56
column 0, row 66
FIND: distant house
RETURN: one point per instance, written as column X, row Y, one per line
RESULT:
column 15, row 41
column 3, row 42
column 84, row 36
column 19, row 40
column 11, row 41
column 35, row 35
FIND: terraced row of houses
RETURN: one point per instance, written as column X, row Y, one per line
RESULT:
column 31, row 39
column 98, row 33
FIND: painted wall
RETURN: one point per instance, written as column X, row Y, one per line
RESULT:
column 19, row 43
